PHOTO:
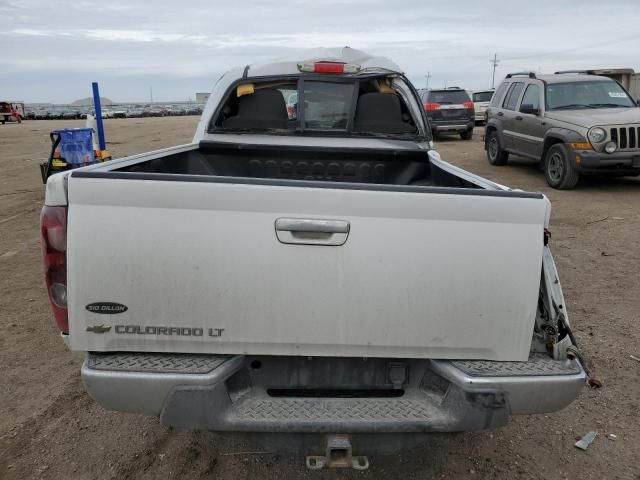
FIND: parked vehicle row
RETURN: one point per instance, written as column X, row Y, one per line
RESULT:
column 120, row 111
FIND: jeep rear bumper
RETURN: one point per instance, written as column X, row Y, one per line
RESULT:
column 272, row 394
column 617, row 163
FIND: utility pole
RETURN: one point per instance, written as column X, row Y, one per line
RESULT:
column 495, row 63
column 428, row 76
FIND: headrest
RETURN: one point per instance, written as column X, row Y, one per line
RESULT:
column 380, row 113
column 263, row 103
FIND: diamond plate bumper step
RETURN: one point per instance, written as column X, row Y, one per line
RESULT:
column 537, row 365
column 155, row 362
column 313, row 410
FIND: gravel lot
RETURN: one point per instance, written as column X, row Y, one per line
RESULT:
column 49, row 427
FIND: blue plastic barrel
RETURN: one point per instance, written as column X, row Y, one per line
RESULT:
column 76, row 146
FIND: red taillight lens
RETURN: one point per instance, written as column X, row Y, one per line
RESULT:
column 53, row 235
column 468, row 105
column 431, row 106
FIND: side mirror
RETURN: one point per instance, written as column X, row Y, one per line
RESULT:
column 528, row 108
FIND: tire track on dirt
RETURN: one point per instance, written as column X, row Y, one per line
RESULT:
column 21, row 437
column 137, row 464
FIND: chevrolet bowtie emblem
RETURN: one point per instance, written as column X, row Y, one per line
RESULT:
column 99, row 328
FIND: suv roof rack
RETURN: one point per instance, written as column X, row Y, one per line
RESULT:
column 520, row 74
column 585, row 72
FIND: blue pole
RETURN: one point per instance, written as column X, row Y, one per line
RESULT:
column 98, row 109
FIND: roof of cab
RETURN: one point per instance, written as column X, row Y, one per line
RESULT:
column 289, row 65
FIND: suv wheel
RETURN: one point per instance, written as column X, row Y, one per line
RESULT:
column 495, row 154
column 558, row 169
column 467, row 134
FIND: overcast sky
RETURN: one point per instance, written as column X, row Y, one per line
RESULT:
column 51, row 50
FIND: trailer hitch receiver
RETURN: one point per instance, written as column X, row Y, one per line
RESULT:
column 338, row 455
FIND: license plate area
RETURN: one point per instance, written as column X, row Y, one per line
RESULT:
column 451, row 114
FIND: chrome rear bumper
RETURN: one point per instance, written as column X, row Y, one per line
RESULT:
column 271, row 394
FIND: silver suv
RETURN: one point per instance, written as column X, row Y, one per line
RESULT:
column 575, row 124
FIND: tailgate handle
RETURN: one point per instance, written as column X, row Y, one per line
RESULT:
column 311, row 225
column 311, row 231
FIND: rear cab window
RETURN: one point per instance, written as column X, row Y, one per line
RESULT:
column 327, row 105
column 360, row 106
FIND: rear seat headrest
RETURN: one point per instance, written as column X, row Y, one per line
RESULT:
column 380, row 113
column 265, row 108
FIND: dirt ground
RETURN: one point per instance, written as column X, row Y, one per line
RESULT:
column 50, row 428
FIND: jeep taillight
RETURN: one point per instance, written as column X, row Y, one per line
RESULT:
column 467, row 104
column 431, row 106
column 53, row 234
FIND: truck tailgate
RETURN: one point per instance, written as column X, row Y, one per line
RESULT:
column 200, row 267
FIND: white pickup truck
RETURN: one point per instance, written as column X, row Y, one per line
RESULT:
column 309, row 268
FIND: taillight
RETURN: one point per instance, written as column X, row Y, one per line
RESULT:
column 431, row 106
column 53, row 235
column 468, row 105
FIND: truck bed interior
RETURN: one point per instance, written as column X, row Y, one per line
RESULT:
column 374, row 166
